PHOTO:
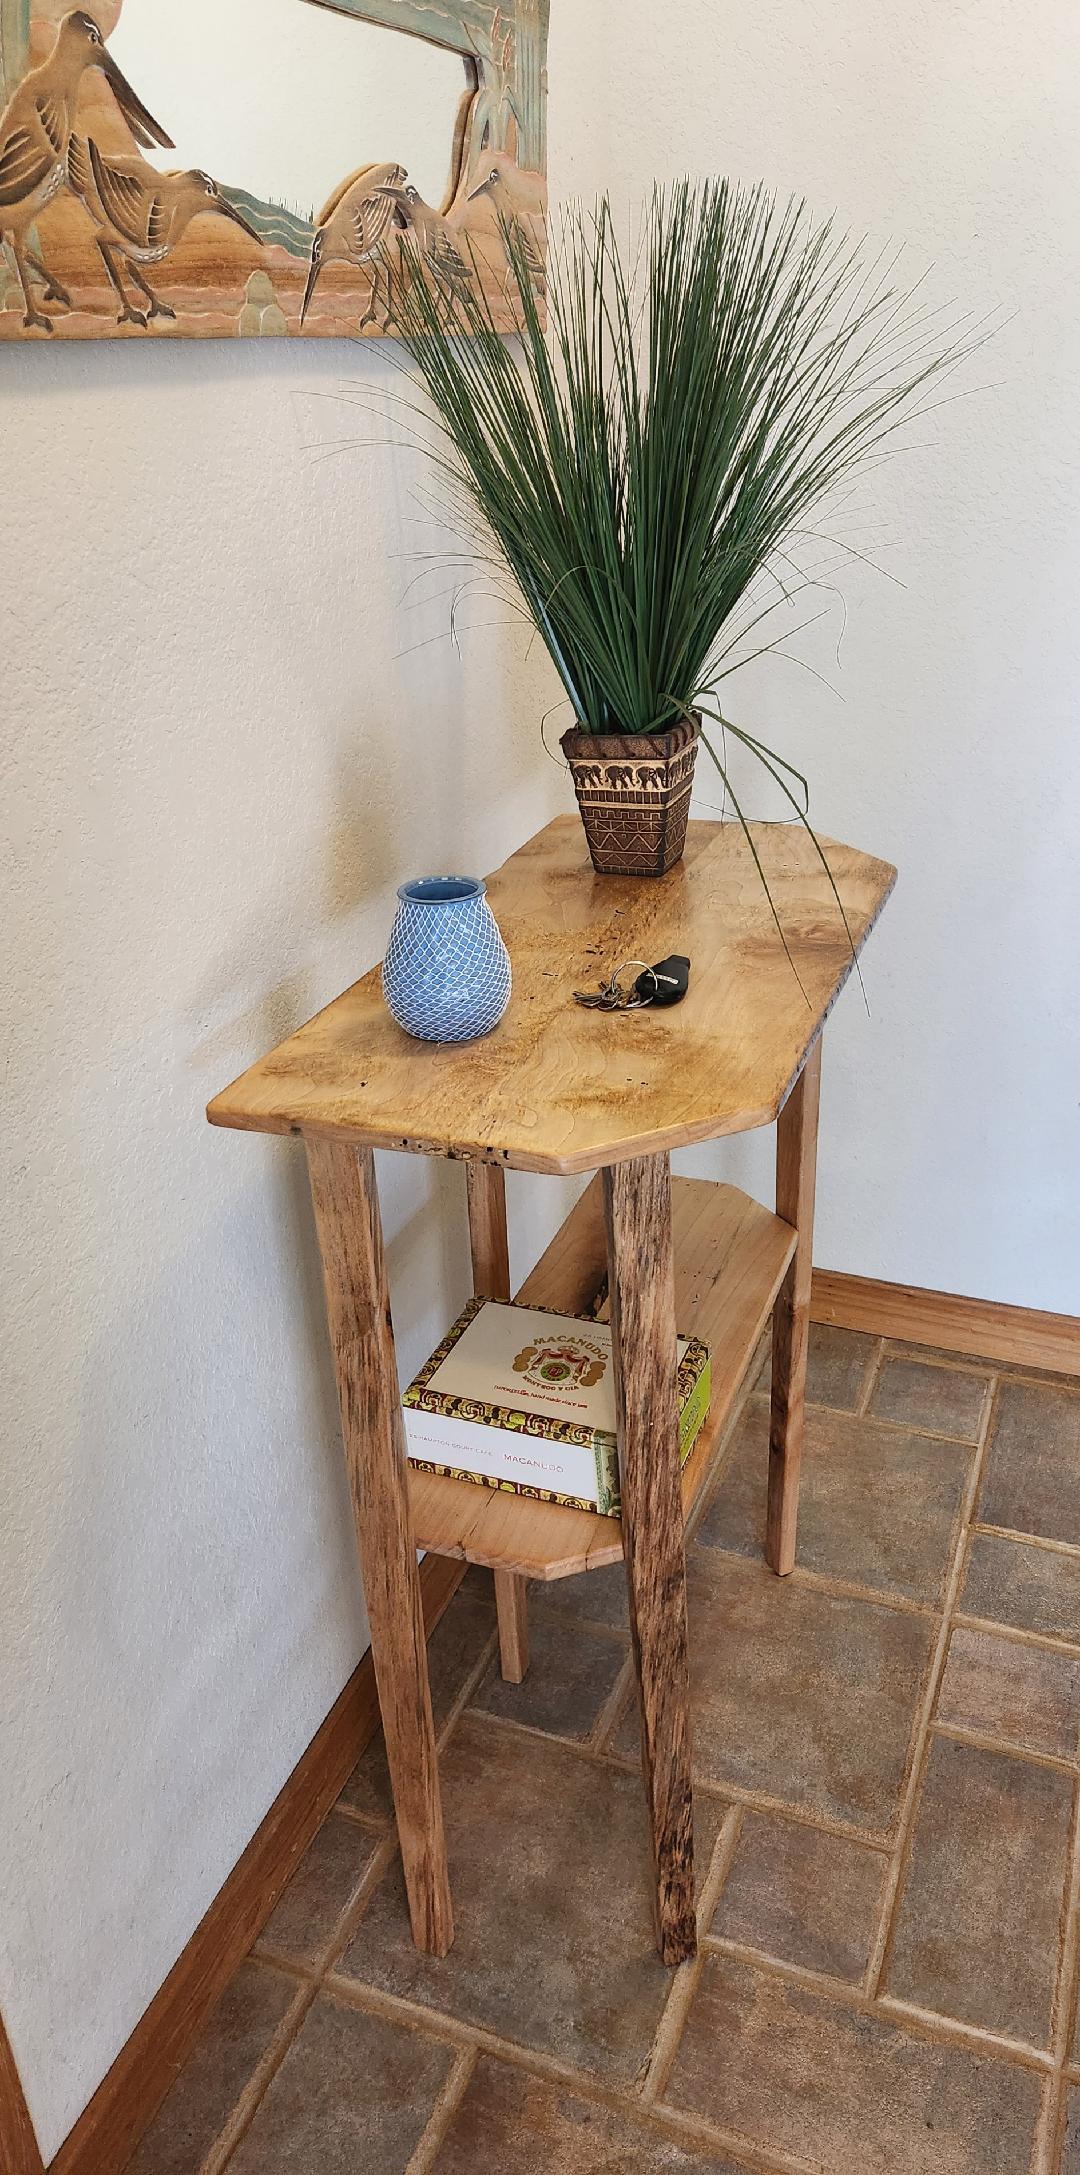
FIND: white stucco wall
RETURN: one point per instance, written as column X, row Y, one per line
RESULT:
column 216, row 769
column 950, row 1149
column 214, row 774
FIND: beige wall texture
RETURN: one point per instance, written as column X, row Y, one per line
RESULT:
column 217, row 765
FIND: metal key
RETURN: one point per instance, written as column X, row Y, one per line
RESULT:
column 609, row 997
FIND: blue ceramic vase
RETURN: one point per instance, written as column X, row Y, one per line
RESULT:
column 446, row 974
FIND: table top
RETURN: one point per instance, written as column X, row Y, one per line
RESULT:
column 560, row 1088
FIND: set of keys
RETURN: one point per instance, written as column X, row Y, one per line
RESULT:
column 666, row 983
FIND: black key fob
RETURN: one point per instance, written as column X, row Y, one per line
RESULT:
column 665, row 983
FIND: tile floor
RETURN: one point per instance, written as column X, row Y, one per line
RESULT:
column 887, row 1756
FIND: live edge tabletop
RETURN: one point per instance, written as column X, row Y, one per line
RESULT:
column 561, row 1088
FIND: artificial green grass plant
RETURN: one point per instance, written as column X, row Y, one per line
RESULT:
column 667, row 430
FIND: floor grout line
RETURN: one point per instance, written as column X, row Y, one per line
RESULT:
column 847, row 1589
column 244, row 2109
column 1044, row 2146
column 879, row 1954
column 1044, row 1642
column 623, row 1699
column 889, row 1425
column 617, row 2097
column 371, row 1823
column 929, row 2024
column 935, row 2025
column 575, row 1620
column 867, row 1998
column 1031, row 1378
column 909, row 1427
column 470, row 1684
column 926, row 2025
column 443, row 2113
column 1064, row 2006
column 277, row 1959
column 672, row 2023
column 611, row 1708
column 313, row 1979
column 850, row 1589
column 873, row 1371
column 984, row 1741
column 989, row 1397
column 1007, row 1370
column 844, row 1992
column 730, row 1793
column 1029, row 1540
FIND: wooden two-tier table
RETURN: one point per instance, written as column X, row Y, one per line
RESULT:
column 561, row 1089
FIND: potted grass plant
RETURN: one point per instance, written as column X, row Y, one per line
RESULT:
column 669, row 423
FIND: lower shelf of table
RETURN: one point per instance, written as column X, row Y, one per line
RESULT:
column 730, row 1259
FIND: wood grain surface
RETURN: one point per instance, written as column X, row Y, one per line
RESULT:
column 19, row 2153
column 373, row 1430
column 490, row 1249
column 641, row 1284
column 976, row 1328
column 796, row 1178
column 730, row 1259
column 559, row 1088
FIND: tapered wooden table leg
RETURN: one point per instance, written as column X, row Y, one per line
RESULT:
column 796, row 1178
column 358, row 1305
column 637, row 1206
column 491, row 1280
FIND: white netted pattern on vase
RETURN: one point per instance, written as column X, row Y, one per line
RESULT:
column 446, row 975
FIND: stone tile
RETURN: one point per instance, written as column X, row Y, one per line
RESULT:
column 800, row 1895
column 877, row 1506
column 945, row 1400
column 800, row 1695
column 1031, row 1482
column 1069, row 2163
column 1015, row 1582
column 455, row 1647
column 352, row 2097
column 977, row 1928
column 571, row 1673
column 986, row 1361
column 844, row 2093
column 599, row 1597
column 1022, row 1694
column 231, row 2043
column 509, row 2123
column 554, row 1945
column 311, row 1905
column 837, row 1366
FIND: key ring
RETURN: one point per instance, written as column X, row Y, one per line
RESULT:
column 610, row 997
column 630, row 1003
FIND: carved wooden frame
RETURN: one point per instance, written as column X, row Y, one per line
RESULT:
column 223, row 292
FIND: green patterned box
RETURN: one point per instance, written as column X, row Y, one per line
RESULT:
column 524, row 1400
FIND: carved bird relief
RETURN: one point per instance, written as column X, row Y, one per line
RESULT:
column 438, row 250
column 141, row 215
column 35, row 136
column 354, row 228
column 502, row 184
column 138, row 216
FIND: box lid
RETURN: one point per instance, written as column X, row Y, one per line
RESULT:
column 509, row 1366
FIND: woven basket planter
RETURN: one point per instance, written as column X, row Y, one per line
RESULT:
column 633, row 792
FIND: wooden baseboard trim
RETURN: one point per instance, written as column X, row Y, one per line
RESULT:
column 127, row 2100
column 977, row 1328
column 19, row 2153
